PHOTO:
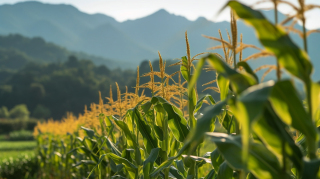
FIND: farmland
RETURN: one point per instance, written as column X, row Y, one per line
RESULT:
column 255, row 129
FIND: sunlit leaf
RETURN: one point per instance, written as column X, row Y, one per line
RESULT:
column 261, row 162
column 275, row 40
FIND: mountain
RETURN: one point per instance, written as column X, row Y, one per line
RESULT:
column 16, row 51
column 132, row 41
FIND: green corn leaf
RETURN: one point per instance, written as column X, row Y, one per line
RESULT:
column 203, row 125
column 315, row 97
column 112, row 147
column 158, row 131
column 261, row 162
column 274, row 135
column 114, row 167
column 287, row 105
column 248, row 69
column 225, row 171
column 199, row 160
column 223, row 85
column 146, row 106
column 148, row 163
column 97, row 164
column 163, row 166
column 216, row 160
column 174, row 147
column 276, row 40
column 248, row 108
column 160, row 114
column 200, row 102
column 239, row 81
column 87, row 153
column 89, row 143
column 149, row 138
column 311, row 169
column 175, row 173
column 195, row 75
column 180, row 167
column 302, row 141
column 229, row 123
column 119, row 160
column 130, row 137
column 184, row 68
column 176, row 122
column 88, row 131
column 126, row 154
column 84, row 162
column 109, row 127
column 251, row 176
column 210, row 175
column 101, row 120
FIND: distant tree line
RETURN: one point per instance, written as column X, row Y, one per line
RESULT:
column 50, row 90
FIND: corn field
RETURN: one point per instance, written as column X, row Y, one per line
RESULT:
column 265, row 129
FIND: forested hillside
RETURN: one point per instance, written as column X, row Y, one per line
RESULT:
column 59, row 87
column 17, row 50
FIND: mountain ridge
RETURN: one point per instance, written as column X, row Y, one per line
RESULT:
column 131, row 41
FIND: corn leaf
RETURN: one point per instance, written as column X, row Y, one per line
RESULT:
column 248, row 108
column 200, row 102
column 247, row 68
column 276, row 40
column 124, row 127
column 287, row 105
column 261, row 162
column 272, row 133
column 88, row 131
column 239, row 81
column 112, row 147
column 148, row 163
column 210, row 175
column 225, row 171
column 176, row 122
column 203, row 125
column 216, row 160
column 184, row 68
column 149, row 138
column 223, row 85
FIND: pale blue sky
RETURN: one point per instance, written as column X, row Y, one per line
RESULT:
column 123, row 10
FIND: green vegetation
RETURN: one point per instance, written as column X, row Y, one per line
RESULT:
column 158, row 128
column 18, row 159
column 16, row 154
column 10, row 146
column 10, row 125
column 17, row 51
column 260, row 129
column 56, row 88
column 21, row 135
column 53, row 89
column 24, row 165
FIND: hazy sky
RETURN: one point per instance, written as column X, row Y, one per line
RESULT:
column 123, row 10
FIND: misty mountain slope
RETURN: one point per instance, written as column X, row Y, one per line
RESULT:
column 156, row 28
column 17, row 50
column 130, row 41
column 53, row 32
column 107, row 40
column 31, row 18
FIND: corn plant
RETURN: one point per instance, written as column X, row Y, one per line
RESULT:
column 268, row 131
